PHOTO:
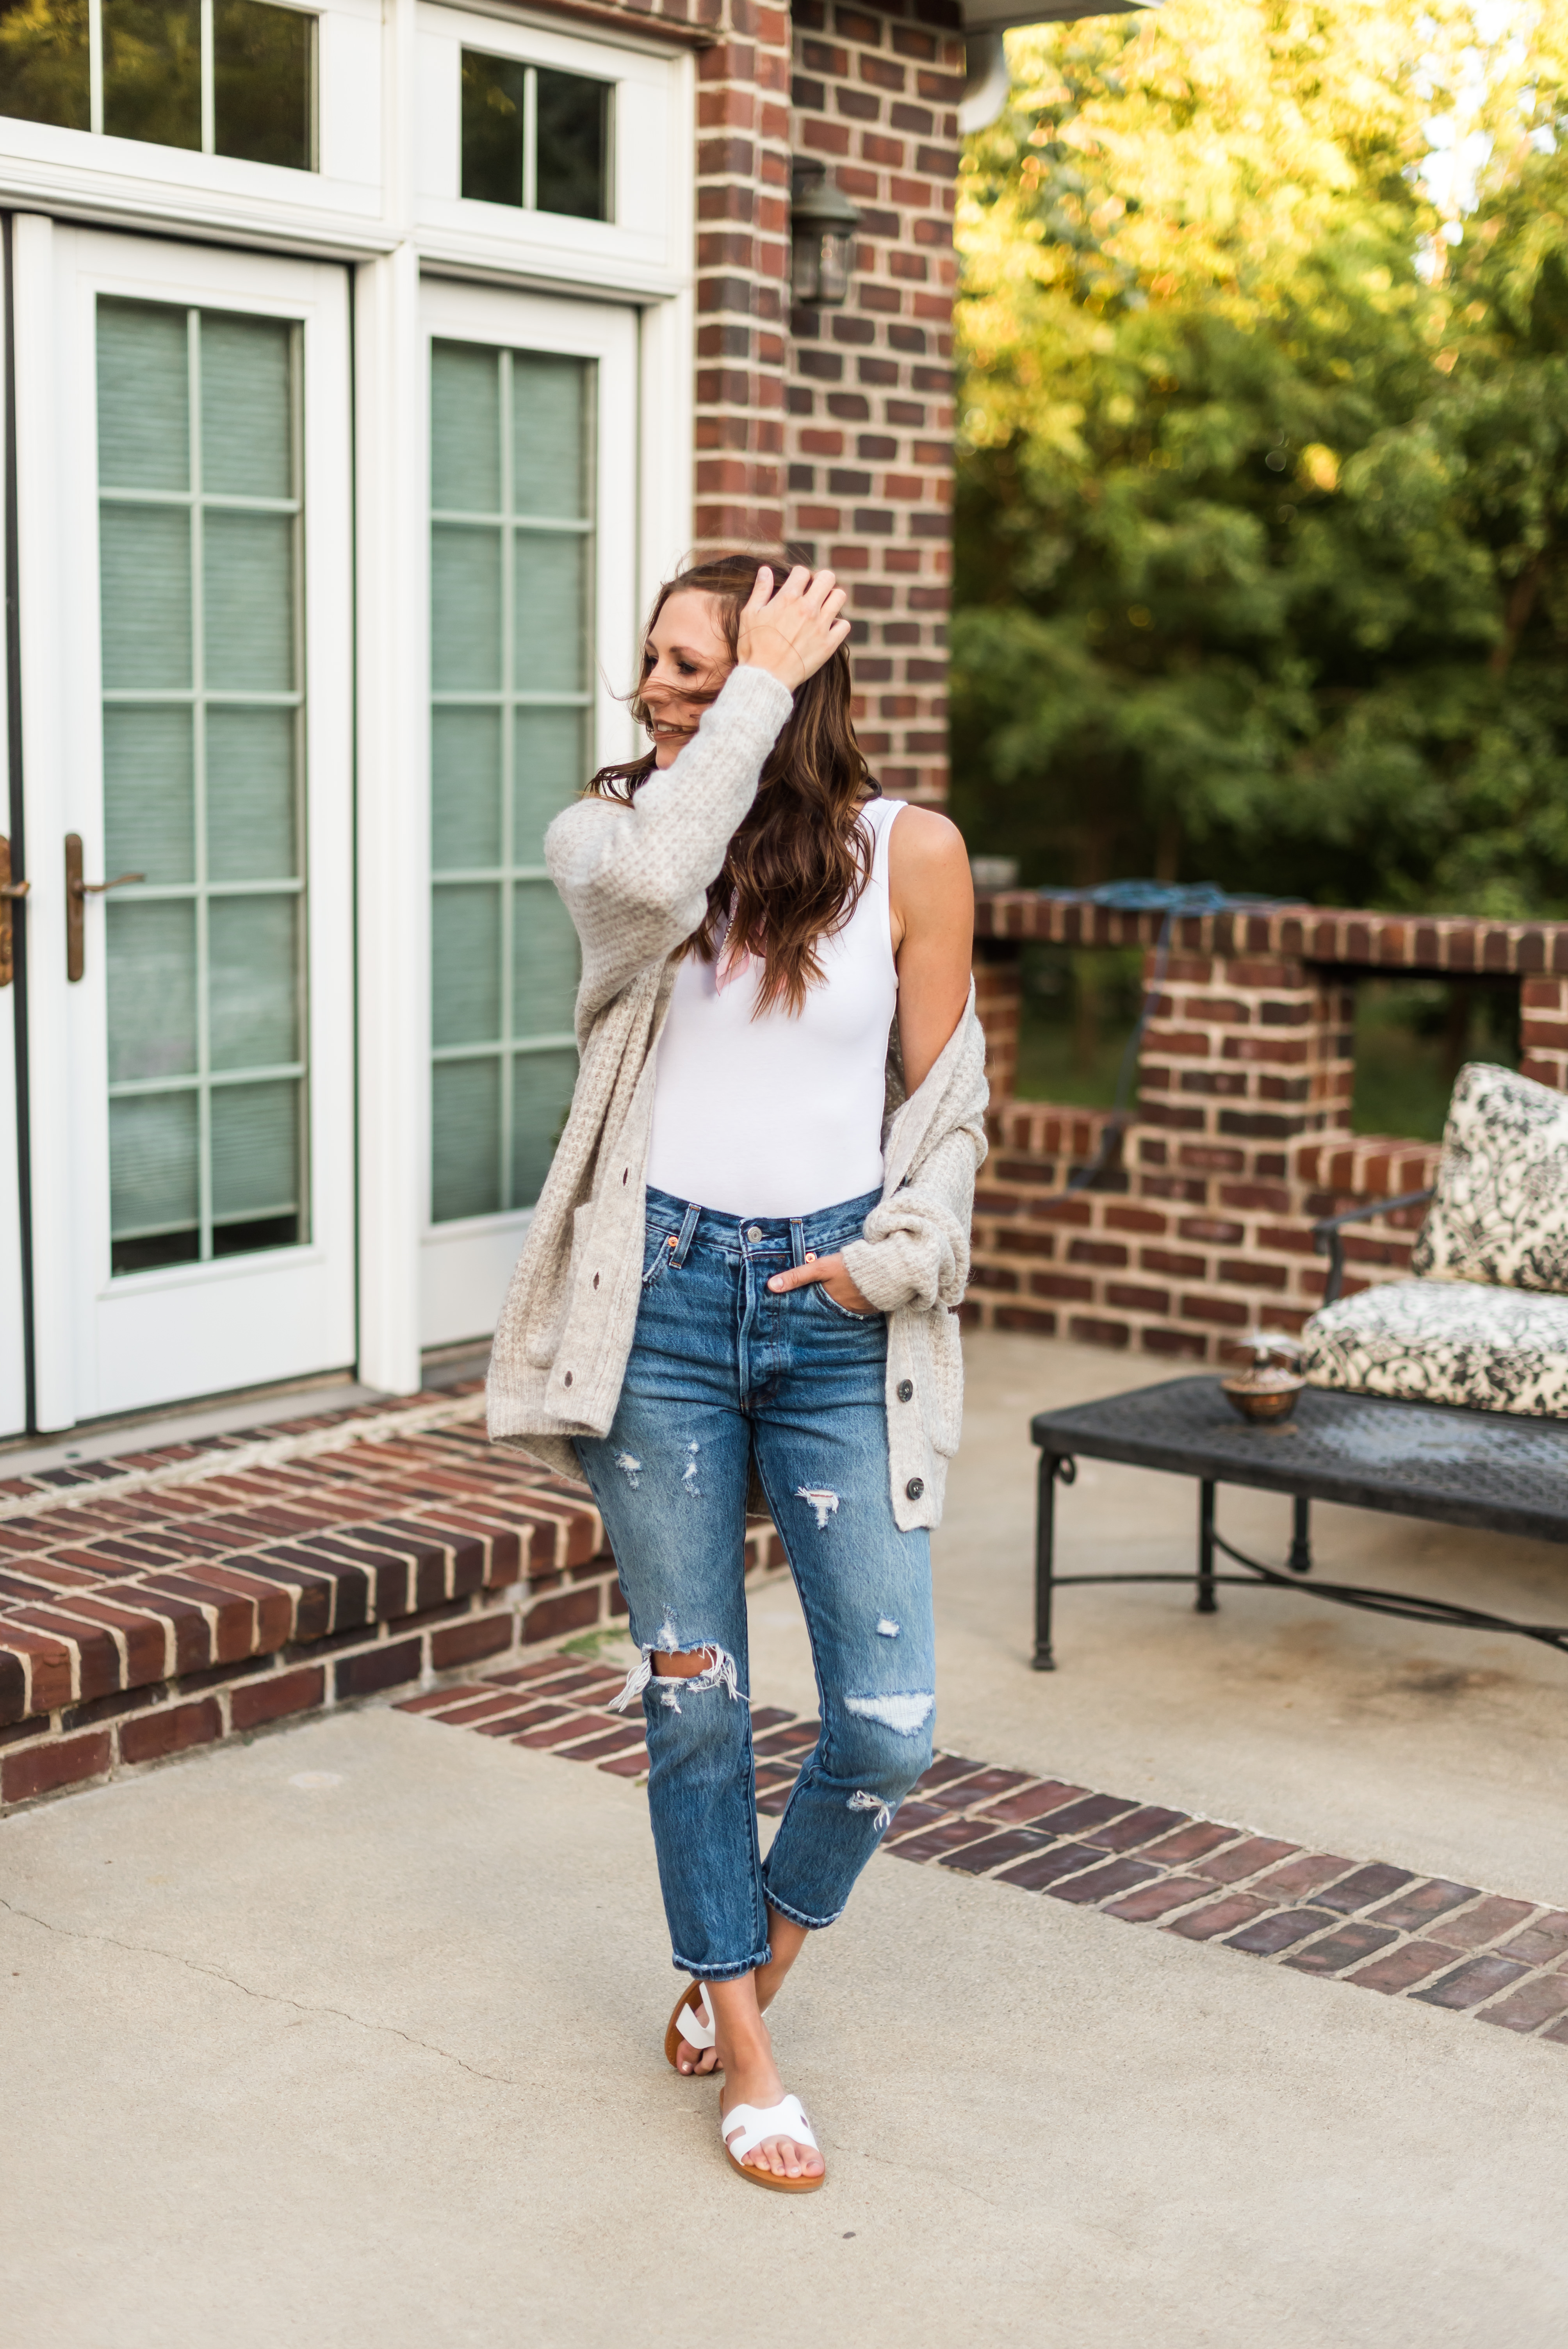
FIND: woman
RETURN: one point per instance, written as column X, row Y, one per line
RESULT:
column 735, row 1272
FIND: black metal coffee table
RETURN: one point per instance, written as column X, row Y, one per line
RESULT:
column 1499, row 1474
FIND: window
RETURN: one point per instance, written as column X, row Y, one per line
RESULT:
column 199, row 512
column 535, row 137
column 219, row 77
column 512, row 576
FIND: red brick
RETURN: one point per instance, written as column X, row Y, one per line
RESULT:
column 1243, row 1859
column 41, row 1769
column 1348, row 1947
column 464, row 1643
column 1534, row 2003
column 1118, row 1876
column 276, row 1697
column 1049, row 1868
column 1267, row 1936
column 552, row 1619
column 1541, row 1943
column 1303, row 1874
column 172, row 1728
column 378, row 1667
column 1191, row 1844
column 1416, row 1961
column 1468, row 1985
column 1034, row 1802
column 1156, row 1899
column 1487, row 1921
column 1218, row 1917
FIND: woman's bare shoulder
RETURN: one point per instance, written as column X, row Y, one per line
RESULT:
column 926, row 852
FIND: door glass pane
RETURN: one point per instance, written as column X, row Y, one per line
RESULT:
column 199, row 550
column 511, row 667
column 247, row 398
column 152, row 71
column 149, row 792
column 541, row 1095
column 466, row 1174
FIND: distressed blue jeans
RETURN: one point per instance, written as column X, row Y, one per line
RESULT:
column 723, row 1371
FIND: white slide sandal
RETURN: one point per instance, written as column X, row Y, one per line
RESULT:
column 693, row 2021
column 744, row 2129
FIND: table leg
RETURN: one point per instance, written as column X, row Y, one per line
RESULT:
column 1300, row 1558
column 1045, row 1550
column 1206, row 1602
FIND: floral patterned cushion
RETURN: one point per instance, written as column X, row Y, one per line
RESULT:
column 1500, row 1213
column 1445, row 1342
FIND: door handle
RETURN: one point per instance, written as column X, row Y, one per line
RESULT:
column 9, row 891
column 78, row 892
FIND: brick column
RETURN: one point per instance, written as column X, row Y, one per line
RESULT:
column 1246, row 1054
column 870, row 395
column 742, row 279
column 999, row 1001
column 1543, row 1031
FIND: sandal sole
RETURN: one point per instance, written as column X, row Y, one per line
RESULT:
column 754, row 2176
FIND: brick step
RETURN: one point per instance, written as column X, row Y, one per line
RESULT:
column 141, row 1622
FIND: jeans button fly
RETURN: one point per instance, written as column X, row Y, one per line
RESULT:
column 754, row 1232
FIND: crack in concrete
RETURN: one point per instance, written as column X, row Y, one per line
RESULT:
column 263, row 1997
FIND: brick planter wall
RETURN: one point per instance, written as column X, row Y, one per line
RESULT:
column 1200, row 1224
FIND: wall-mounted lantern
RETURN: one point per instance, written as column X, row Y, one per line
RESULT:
column 822, row 224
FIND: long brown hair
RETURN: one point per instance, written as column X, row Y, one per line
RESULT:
column 796, row 865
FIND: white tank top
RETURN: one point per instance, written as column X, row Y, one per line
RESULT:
column 782, row 1115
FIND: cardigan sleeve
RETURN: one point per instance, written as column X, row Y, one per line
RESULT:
column 915, row 1250
column 634, row 879
column 916, row 1246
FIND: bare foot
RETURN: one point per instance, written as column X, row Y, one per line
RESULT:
column 752, row 2077
column 786, row 1940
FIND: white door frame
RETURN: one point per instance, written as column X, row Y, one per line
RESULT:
column 103, row 1345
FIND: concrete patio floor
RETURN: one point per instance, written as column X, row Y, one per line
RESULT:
column 351, row 2036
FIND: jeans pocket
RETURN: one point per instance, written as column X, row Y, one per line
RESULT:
column 843, row 1312
column 658, row 1252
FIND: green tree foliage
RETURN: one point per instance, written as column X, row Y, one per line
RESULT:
column 1262, row 502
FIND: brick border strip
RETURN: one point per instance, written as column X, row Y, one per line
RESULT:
column 1392, row 1930
column 198, row 1458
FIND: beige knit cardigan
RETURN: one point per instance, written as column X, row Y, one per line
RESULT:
column 635, row 880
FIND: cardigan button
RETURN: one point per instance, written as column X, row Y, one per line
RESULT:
column 914, row 1488
column 905, row 1390
column 566, row 1381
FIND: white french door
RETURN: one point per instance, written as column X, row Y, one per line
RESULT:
column 533, row 484
column 184, row 464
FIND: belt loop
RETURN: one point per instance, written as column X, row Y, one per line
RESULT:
column 797, row 1242
column 688, row 1228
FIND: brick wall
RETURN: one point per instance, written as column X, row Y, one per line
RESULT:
column 869, row 427
column 1199, row 1224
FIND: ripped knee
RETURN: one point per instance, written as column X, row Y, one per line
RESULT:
column 705, row 1666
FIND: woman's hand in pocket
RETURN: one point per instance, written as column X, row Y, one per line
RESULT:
column 829, row 1272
